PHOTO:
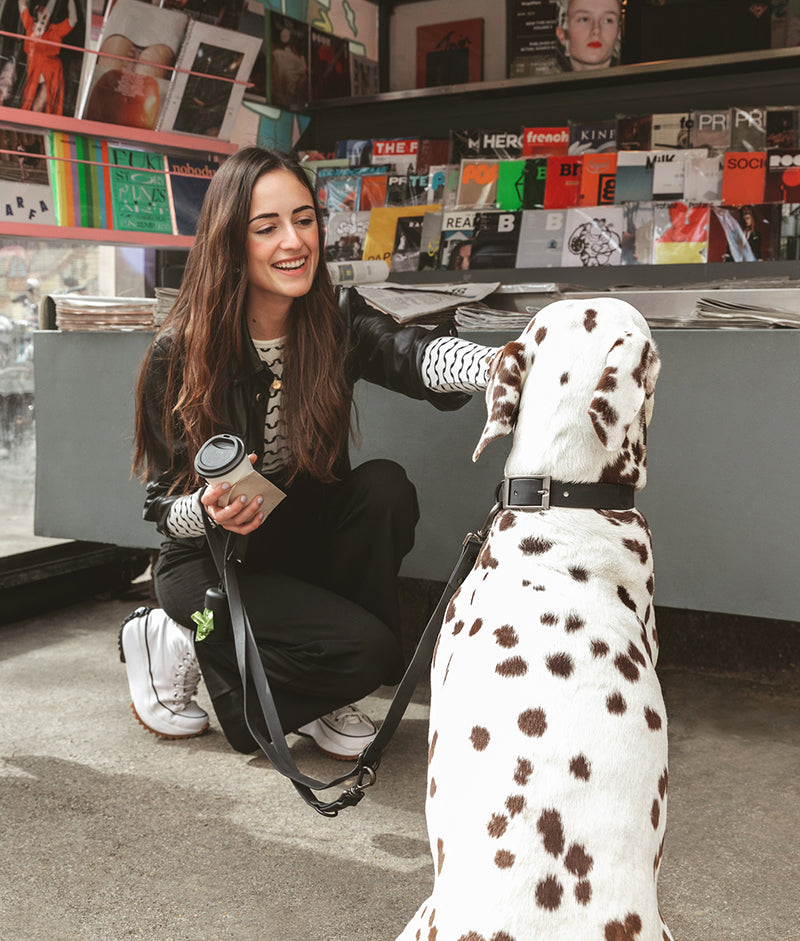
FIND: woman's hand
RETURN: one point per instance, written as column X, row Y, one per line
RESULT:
column 240, row 516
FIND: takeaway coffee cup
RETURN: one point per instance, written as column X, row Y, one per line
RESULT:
column 223, row 459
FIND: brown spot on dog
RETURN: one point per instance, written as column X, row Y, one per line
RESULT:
column 507, row 520
column 626, row 667
column 580, row 767
column 655, row 814
column 497, row 826
column 501, row 936
column 549, row 619
column 451, row 608
column 602, row 409
column 432, row 747
column 458, row 627
column 616, row 704
column 617, row 931
column 564, row 378
column 644, row 364
column 503, row 859
column 477, row 624
column 560, row 664
column 533, row 545
column 625, row 598
column 523, row 771
column 440, row 856
column 541, row 333
column 514, row 666
column 515, row 804
column 650, row 584
column 548, row 893
column 602, row 435
column 552, row 832
column 608, row 380
column 479, row 736
column 578, row 861
column 583, row 892
column 486, row 560
column 574, row 622
column 599, row 649
column 639, row 548
column 645, row 641
column 533, row 723
column 578, row 573
column 433, row 787
column 635, row 654
column 590, row 319
column 506, row 636
column 653, row 719
column 663, row 783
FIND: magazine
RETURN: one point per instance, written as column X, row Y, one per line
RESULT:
column 680, row 234
column 477, row 184
column 26, row 194
column 129, row 80
column 532, row 42
column 345, row 235
column 598, row 180
column 545, row 141
column 449, row 53
column 187, row 183
column 209, row 82
column 286, row 50
column 495, row 239
column 42, row 76
column 593, row 237
column 329, row 65
column 541, row 238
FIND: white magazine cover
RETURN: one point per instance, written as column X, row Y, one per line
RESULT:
column 128, row 80
column 209, row 81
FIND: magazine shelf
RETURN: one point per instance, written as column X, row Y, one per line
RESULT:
column 173, row 144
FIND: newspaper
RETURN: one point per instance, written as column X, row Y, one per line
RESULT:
column 423, row 302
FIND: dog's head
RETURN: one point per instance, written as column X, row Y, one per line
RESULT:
column 577, row 389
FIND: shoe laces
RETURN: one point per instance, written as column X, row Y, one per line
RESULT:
column 187, row 678
column 349, row 715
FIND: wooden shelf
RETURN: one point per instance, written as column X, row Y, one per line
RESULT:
column 104, row 236
column 116, row 132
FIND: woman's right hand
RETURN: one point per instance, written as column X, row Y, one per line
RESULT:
column 241, row 516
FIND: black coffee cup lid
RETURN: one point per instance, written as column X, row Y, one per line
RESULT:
column 219, row 455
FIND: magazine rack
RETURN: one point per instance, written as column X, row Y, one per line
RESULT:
column 762, row 78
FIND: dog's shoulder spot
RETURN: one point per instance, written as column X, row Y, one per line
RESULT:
column 580, row 767
column 512, row 667
column 579, row 573
column 506, row 636
column 560, row 664
column 653, row 719
column 480, row 738
column 533, row 722
column 523, row 771
column 535, row 545
column 616, row 705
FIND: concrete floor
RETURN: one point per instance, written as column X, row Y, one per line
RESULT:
column 108, row 833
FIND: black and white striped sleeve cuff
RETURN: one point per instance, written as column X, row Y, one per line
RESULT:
column 451, row 364
column 185, row 518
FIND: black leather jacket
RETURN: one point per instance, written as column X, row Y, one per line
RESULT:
column 378, row 350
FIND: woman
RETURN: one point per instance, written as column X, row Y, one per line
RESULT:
column 258, row 345
column 589, row 31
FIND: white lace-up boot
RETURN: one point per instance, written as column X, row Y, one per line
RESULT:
column 343, row 733
column 163, row 674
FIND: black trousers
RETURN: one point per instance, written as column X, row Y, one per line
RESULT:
column 319, row 583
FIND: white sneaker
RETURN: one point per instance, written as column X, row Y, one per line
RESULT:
column 343, row 733
column 163, row 674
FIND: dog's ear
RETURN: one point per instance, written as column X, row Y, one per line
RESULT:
column 502, row 393
column 627, row 383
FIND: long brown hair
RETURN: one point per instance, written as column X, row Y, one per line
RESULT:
column 209, row 338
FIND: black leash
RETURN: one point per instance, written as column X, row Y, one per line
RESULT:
column 275, row 747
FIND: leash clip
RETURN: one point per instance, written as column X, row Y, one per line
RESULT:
column 481, row 534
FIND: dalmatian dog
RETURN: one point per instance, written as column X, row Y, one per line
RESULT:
column 547, row 768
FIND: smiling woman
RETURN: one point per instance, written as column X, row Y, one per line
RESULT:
column 258, row 345
column 590, row 31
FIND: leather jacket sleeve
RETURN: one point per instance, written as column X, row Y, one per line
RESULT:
column 165, row 461
column 391, row 354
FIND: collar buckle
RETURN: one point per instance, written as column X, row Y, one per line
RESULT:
column 511, row 495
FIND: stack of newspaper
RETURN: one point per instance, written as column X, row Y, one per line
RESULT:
column 165, row 298
column 76, row 312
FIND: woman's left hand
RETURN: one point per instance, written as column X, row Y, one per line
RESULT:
column 240, row 516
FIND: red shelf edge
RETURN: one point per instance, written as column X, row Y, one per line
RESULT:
column 115, row 132
column 106, row 236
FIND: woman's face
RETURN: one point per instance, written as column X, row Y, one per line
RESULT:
column 282, row 240
column 591, row 33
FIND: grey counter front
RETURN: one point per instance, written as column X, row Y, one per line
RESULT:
column 723, row 460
